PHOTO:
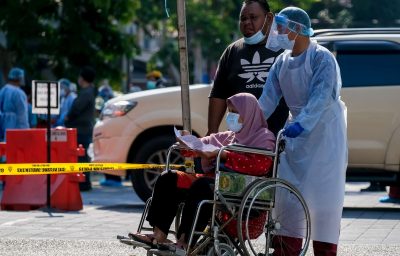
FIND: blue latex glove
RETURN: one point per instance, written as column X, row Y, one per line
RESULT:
column 293, row 130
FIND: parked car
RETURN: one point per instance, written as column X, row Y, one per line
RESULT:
column 138, row 127
column 369, row 60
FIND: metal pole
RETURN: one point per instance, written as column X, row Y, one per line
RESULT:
column 48, row 146
column 184, row 67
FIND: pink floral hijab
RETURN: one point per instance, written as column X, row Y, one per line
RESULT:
column 255, row 131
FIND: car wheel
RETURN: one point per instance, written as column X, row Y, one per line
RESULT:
column 154, row 151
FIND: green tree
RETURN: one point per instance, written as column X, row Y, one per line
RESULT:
column 383, row 13
column 331, row 14
column 61, row 36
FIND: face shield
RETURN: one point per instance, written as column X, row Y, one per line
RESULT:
column 272, row 41
column 284, row 24
column 277, row 37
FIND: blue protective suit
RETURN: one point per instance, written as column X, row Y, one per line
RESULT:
column 66, row 103
column 315, row 161
column 13, row 109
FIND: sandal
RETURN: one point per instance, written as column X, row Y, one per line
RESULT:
column 147, row 239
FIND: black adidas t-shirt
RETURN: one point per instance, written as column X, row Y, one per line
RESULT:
column 245, row 68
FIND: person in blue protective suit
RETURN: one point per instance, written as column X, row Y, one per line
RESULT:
column 13, row 103
column 67, row 98
column 307, row 76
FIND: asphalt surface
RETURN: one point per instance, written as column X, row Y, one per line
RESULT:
column 368, row 227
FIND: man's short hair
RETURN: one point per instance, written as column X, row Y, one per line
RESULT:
column 263, row 3
column 88, row 74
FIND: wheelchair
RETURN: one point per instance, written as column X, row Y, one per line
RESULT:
column 249, row 215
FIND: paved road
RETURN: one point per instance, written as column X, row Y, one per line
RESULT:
column 368, row 227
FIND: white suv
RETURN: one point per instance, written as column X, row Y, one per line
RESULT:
column 138, row 127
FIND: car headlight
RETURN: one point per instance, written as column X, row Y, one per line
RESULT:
column 116, row 109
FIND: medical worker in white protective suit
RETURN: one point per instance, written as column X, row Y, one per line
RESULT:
column 13, row 103
column 315, row 157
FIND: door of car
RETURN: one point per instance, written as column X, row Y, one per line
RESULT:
column 370, row 73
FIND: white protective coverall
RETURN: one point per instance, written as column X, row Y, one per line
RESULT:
column 315, row 162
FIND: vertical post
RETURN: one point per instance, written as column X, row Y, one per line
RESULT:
column 184, row 72
column 184, row 67
column 48, row 145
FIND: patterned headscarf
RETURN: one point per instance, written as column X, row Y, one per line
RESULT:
column 255, row 131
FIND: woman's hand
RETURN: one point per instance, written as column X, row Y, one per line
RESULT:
column 207, row 155
column 185, row 132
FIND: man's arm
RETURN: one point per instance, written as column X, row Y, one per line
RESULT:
column 216, row 110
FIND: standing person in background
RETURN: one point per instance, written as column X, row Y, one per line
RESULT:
column 154, row 80
column 73, row 89
column 315, row 157
column 32, row 118
column 13, row 103
column 81, row 116
column 106, row 93
column 67, row 98
column 244, row 66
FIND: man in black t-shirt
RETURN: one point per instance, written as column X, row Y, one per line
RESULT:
column 244, row 66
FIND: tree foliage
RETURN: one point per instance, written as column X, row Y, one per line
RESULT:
column 61, row 36
column 381, row 13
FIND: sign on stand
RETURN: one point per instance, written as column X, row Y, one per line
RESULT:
column 46, row 100
column 40, row 100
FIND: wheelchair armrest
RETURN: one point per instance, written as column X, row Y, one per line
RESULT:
column 247, row 149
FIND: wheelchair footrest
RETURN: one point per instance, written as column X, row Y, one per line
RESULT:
column 167, row 252
column 134, row 243
column 161, row 252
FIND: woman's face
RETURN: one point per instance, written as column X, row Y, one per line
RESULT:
column 251, row 19
column 232, row 109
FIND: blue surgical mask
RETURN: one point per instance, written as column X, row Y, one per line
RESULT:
column 254, row 39
column 232, row 122
column 151, row 85
column 284, row 42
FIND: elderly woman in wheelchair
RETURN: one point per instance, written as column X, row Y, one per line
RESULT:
column 236, row 191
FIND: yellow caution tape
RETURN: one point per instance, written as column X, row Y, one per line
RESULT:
column 63, row 168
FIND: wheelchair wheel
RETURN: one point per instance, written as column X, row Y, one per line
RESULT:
column 273, row 216
column 224, row 250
